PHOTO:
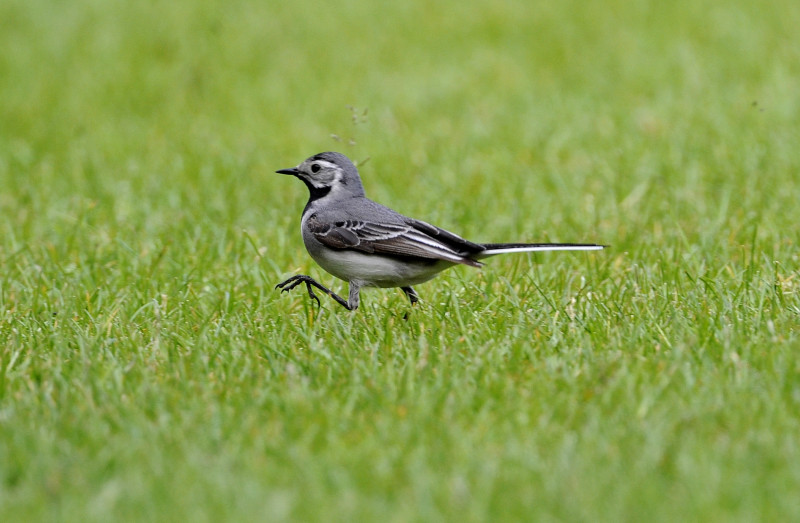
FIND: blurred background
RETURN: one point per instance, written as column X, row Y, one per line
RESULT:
column 574, row 118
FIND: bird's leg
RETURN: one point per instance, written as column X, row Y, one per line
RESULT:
column 411, row 293
column 310, row 282
column 355, row 289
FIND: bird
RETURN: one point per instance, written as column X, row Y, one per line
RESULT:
column 368, row 244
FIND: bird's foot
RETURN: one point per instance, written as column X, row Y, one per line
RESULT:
column 310, row 282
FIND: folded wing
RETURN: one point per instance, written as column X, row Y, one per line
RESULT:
column 412, row 239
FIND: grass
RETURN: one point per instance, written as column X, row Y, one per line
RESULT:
column 149, row 370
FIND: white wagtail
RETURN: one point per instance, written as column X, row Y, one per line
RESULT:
column 369, row 245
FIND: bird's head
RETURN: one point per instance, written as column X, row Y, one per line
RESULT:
column 326, row 173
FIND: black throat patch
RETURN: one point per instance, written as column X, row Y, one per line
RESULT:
column 315, row 193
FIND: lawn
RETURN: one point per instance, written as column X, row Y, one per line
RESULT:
column 150, row 371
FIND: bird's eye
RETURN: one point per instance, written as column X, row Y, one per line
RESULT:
column 315, row 167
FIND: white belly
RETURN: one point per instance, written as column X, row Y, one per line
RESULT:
column 375, row 270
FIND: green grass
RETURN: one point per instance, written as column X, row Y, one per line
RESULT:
column 149, row 370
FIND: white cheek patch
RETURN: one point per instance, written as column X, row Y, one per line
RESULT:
column 329, row 175
column 316, row 183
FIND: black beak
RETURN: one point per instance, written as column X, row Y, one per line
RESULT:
column 292, row 171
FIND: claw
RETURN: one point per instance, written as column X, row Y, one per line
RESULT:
column 312, row 294
column 297, row 279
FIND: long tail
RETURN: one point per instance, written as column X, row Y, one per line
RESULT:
column 503, row 248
